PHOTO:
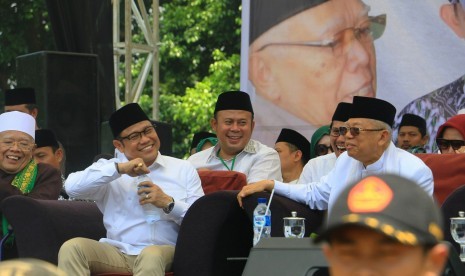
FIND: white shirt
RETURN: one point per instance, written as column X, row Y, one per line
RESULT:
column 322, row 195
column 116, row 197
column 256, row 161
column 317, row 167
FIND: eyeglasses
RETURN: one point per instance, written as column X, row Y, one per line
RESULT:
column 444, row 144
column 355, row 131
column 321, row 149
column 22, row 144
column 458, row 2
column 335, row 132
column 368, row 31
column 136, row 136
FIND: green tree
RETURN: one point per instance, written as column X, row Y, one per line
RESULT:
column 199, row 56
column 192, row 112
column 24, row 29
column 199, row 59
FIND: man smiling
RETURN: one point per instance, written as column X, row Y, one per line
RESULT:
column 19, row 173
column 132, row 245
column 369, row 151
column 307, row 56
column 322, row 165
column 233, row 123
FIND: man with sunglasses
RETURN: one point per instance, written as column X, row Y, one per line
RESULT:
column 294, row 152
column 307, row 56
column 322, row 165
column 369, row 151
column 441, row 104
column 132, row 245
column 451, row 135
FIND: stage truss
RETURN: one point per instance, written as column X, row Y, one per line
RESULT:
column 136, row 11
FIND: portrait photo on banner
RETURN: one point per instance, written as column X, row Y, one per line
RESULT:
column 300, row 58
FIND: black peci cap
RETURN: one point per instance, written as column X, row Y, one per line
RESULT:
column 414, row 120
column 264, row 14
column 373, row 108
column 17, row 96
column 125, row 117
column 342, row 112
column 46, row 138
column 293, row 137
column 233, row 100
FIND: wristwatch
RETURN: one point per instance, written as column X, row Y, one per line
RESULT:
column 168, row 208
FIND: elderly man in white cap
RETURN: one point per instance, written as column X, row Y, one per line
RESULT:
column 19, row 173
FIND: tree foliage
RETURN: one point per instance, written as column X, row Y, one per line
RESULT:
column 199, row 56
column 24, row 29
column 199, row 59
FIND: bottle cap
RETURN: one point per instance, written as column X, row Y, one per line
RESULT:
column 262, row 200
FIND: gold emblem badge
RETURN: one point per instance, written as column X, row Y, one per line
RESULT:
column 370, row 195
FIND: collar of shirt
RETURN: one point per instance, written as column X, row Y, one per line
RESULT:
column 249, row 148
column 379, row 164
column 160, row 161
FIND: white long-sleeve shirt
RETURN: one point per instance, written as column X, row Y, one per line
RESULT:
column 116, row 197
column 317, row 168
column 256, row 161
column 322, row 195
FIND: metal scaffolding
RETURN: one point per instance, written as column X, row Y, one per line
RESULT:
column 128, row 48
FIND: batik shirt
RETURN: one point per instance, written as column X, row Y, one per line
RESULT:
column 436, row 107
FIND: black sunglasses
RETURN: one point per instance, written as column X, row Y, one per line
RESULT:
column 444, row 144
column 355, row 131
column 322, row 149
column 335, row 132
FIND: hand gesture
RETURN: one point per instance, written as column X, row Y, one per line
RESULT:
column 152, row 193
column 252, row 188
column 133, row 167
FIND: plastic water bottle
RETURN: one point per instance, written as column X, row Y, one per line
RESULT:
column 261, row 220
column 152, row 212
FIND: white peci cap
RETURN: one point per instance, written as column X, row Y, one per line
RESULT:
column 19, row 121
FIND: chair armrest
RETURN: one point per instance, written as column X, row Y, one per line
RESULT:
column 42, row 226
column 214, row 228
column 213, row 181
column 447, row 172
column 282, row 207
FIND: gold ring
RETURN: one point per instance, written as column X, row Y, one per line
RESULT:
column 147, row 196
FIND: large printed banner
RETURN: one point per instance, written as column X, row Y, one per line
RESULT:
column 300, row 58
